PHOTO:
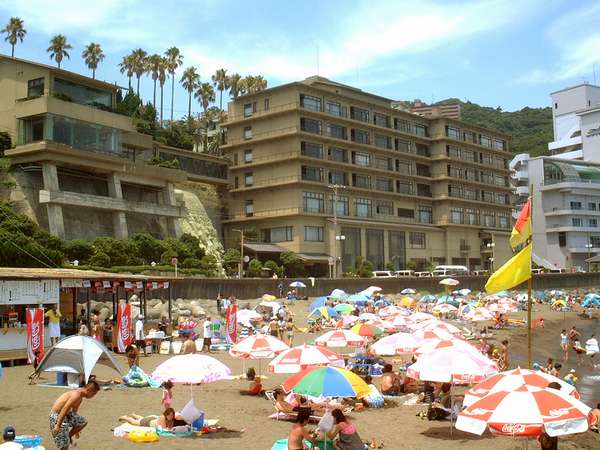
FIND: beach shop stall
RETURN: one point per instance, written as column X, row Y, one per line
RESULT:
column 73, row 291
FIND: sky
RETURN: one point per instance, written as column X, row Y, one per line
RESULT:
column 507, row 53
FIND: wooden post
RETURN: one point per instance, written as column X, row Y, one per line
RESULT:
column 529, row 286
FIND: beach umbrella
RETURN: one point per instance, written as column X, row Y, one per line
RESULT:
column 366, row 330
column 526, row 411
column 401, row 322
column 297, row 284
column 396, row 344
column 428, row 299
column 444, row 326
column 346, row 320
column 391, row 310
column 340, row 338
column 319, row 301
column 302, row 357
column 268, row 307
column 381, row 324
column 512, row 379
column 258, row 346
column 451, row 364
column 343, row 308
column 368, row 316
column 324, row 311
column 421, row 317
column 445, row 308
column 464, row 291
column 358, row 298
column 268, row 297
column 408, row 291
column 246, row 316
column 450, row 282
column 479, row 315
column 191, row 369
column 430, row 345
column 338, row 294
column 327, row 382
column 373, row 289
column 408, row 302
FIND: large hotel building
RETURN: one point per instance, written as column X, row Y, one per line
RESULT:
column 332, row 173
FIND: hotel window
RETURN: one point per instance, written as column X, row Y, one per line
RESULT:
column 310, row 102
column 361, row 181
column 310, row 125
column 248, row 179
column 403, row 146
column 84, row 95
column 360, row 136
column 499, row 163
column 342, row 205
column 337, row 154
column 503, row 220
column 593, row 223
column 423, row 190
column 457, row 215
column 247, row 132
column 406, row 213
column 486, row 159
column 362, row 207
column 278, row 234
column 249, row 108
column 417, row 240
column 311, row 149
column 499, row 144
column 471, row 174
column 595, row 241
column 381, row 120
column 469, row 136
column 592, row 206
column 314, row 234
column 384, row 184
column 374, row 243
column 402, row 125
column 247, row 156
column 359, row 114
column 562, row 239
column 500, row 181
column 335, row 109
column 575, row 205
column 337, row 178
column 422, row 150
column 501, row 199
column 249, row 208
column 35, row 88
column 403, row 187
column 383, row 141
column 420, row 130
column 236, row 182
column 335, row 131
column 470, row 194
column 489, row 220
column 455, row 172
column 452, row 132
column 403, row 167
column 425, row 214
column 453, row 151
column 361, row 159
column 267, row 102
column 235, row 159
column 314, row 202
column 312, row 174
column 577, row 221
column 484, row 140
column 385, row 208
column 382, row 163
column 468, row 155
column 472, row 216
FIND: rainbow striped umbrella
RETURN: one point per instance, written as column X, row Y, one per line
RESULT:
column 366, row 330
column 326, row 382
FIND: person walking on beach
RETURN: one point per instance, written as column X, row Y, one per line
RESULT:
column 219, row 301
column 140, row 337
column 564, row 344
column 65, row 423
column 207, row 334
column 53, row 315
column 591, row 349
column 504, row 361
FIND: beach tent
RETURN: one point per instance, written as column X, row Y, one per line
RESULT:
column 78, row 354
column 268, row 308
column 559, row 303
column 589, row 302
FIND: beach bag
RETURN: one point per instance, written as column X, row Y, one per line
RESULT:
column 326, row 422
column 434, row 413
column 190, row 413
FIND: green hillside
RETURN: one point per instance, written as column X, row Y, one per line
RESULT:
column 530, row 128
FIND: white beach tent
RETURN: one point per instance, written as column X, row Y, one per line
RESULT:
column 78, row 354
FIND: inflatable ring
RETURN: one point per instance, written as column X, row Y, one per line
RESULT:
column 142, row 436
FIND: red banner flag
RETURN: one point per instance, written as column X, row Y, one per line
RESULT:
column 232, row 323
column 124, row 337
column 35, row 334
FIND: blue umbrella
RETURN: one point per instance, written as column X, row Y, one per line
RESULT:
column 297, row 284
column 358, row 298
column 428, row 298
column 408, row 291
column 319, row 301
column 330, row 311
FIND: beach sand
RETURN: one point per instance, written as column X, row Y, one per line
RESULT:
column 26, row 407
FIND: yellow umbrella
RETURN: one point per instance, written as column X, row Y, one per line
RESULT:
column 407, row 302
column 269, row 297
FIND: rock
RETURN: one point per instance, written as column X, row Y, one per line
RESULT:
column 185, row 312
column 154, row 301
column 197, row 310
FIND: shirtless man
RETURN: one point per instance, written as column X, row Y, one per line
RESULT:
column 64, row 420
column 596, row 413
column 299, row 432
column 390, row 382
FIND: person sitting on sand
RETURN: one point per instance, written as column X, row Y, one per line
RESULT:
column 390, row 381
column 443, row 396
column 254, row 389
column 427, row 395
column 167, row 421
column 596, row 414
column 556, row 370
column 283, row 406
column 133, row 356
column 189, row 346
column 344, row 430
column 299, row 432
column 373, row 399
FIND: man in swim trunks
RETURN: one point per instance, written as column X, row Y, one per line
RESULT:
column 64, row 420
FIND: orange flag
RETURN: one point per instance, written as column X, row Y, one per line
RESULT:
column 522, row 230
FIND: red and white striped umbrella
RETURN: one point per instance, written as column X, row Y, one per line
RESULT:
column 340, row 338
column 396, row 344
column 401, row 322
column 436, row 333
column 302, row 357
column 445, row 308
column 430, row 345
column 526, row 411
column 512, row 379
column 451, row 364
column 258, row 346
column 391, row 310
column 479, row 315
column 421, row 317
column 438, row 325
column 382, row 324
column 346, row 320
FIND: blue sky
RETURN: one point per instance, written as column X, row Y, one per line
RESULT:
column 496, row 53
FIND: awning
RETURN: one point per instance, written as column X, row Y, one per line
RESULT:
column 314, row 257
column 265, row 248
column 542, row 262
column 593, row 259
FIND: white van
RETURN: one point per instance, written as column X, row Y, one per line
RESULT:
column 447, row 271
column 423, row 274
column 382, row 274
column 405, row 273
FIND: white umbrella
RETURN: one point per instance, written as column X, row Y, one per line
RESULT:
column 396, row 344
column 450, row 282
column 408, row 291
column 297, row 284
column 191, row 369
column 247, row 316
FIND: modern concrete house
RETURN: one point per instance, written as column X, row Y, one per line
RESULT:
column 332, row 173
column 82, row 169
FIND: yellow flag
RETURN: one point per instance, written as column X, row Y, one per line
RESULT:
column 514, row 272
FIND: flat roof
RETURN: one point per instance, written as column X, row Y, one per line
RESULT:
column 574, row 87
column 27, row 273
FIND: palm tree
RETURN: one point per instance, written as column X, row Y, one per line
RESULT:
column 162, row 77
column 221, row 82
column 126, row 66
column 190, row 80
column 138, row 60
column 93, row 55
column 235, row 85
column 15, row 31
column 205, row 94
column 174, row 61
column 260, row 84
column 152, row 67
column 58, row 48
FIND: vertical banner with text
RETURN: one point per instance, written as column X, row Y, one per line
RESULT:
column 232, row 323
column 35, row 334
column 124, row 337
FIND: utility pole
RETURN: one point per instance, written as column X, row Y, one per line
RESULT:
column 334, row 188
column 241, row 265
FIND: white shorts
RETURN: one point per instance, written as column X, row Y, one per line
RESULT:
column 54, row 329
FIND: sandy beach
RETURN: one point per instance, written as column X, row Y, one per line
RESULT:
column 26, row 407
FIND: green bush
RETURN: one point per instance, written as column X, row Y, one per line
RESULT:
column 292, row 264
column 363, row 267
column 5, row 142
column 79, row 249
column 100, row 259
column 273, row 267
column 231, row 261
column 167, row 256
column 118, row 250
column 209, row 266
column 149, row 248
column 193, row 245
column 191, row 263
column 254, row 268
column 179, row 248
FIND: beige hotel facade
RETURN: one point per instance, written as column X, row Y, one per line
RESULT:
column 404, row 187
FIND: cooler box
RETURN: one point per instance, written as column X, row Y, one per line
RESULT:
column 61, row 378
column 198, row 423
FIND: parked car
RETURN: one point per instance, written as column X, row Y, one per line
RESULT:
column 447, row 271
column 382, row 274
column 480, row 272
column 423, row 274
column 404, row 273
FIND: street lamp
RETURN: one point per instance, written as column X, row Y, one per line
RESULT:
column 335, row 188
column 589, row 247
column 491, row 246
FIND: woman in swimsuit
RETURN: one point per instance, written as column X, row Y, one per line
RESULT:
column 564, row 343
column 347, row 437
column 299, row 432
column 168, row 420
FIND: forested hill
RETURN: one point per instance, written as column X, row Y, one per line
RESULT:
column 530, row 128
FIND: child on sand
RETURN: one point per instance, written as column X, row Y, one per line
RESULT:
column 167, row 394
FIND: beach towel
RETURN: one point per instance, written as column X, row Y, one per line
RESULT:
column 282, row 444
column 136, row 377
